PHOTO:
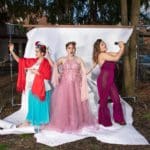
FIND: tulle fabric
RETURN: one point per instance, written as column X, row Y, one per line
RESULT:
column 68, row 111
column 84, row 86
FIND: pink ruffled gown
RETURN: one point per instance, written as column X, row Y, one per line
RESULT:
column 69, row 112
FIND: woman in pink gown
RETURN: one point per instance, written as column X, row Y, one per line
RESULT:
column 69, row 104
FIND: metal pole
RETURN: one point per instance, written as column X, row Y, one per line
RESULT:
column 10, row 30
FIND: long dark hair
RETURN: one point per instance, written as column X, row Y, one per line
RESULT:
column 96, row 50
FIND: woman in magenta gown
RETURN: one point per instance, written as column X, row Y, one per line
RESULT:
column 105, row 83
column 69, row 105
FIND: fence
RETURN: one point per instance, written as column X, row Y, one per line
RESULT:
column 143, row 57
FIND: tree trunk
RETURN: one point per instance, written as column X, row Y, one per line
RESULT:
column 129, row 63
column 124, row 12
column 127, row 87
column 133, row 41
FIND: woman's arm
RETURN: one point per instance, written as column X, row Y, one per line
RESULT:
column 117, row 56
column 11, row 49
column 51, row 62
column 49, row 58
column 57, row 65
column 84, row 86
column 81, row 62
column 55, row 74
column 83, row 69
column 113, row 53
column 59, row 61
column 90, row 70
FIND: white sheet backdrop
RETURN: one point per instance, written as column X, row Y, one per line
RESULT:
column 56, row 38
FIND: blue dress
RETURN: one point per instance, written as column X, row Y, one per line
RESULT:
column 38, row 111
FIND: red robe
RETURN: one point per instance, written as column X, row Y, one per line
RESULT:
column 38, row 87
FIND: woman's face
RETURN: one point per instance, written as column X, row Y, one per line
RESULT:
column 71, row 49
column 103, row 47
column 38, row 53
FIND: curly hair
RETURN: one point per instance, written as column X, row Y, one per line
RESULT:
column 96, row 50
column 71, row 43
column 41, row 47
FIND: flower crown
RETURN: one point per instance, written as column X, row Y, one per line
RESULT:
column 38, row 44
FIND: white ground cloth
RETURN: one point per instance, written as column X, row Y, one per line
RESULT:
column 56, row 38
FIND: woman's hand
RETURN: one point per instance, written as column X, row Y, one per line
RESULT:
column 35, row 71
column 121, row 45
column 117, row 56
column 11, row 47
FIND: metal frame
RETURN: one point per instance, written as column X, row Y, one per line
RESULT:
column 130, row 97
column 76, row 26
column 10, row 31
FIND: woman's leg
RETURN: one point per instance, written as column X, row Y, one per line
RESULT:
column 103, row 90
column 117, row 108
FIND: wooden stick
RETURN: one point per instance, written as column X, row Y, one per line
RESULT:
column 76, row 26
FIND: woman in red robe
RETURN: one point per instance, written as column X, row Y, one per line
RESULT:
column 34, row 75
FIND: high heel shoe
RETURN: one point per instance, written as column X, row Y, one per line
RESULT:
column 122, row 123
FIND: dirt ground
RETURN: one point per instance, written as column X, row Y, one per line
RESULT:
column 141, row 115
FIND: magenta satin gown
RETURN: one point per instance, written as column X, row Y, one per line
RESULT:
column 106, row 88
column 68, row 112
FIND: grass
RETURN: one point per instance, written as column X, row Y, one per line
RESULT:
column 146, row 116
column 3, row 147
column 25, row 136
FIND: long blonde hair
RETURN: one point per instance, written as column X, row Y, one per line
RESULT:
column 96, row 50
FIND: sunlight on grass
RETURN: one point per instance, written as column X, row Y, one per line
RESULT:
column 3, row 147
column 25, row 136
column 146, row 116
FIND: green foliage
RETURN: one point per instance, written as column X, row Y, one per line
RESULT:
column 21, row 29
column 65, row 11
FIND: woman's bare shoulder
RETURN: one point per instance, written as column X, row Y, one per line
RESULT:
column 101, row 58
column 101, row 55
column 61, row 59
column 79, row 59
